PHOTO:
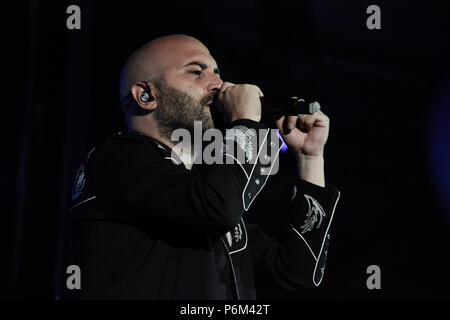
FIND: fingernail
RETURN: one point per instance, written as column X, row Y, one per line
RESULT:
column 290, row 126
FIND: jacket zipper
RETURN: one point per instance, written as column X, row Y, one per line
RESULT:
column 232, row 269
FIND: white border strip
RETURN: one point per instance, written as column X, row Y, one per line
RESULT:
column 88, row 199
column 227, row 154
column 173, row 160
column 253, row 169
column 323, row 241
column 268, row 175
column 305, row 242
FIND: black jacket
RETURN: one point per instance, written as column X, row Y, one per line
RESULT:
column 142, row 226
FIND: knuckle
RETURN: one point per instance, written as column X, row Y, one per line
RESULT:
column 256, row 88
column 228, row 89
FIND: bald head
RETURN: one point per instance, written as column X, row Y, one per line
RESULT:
column 150, row 62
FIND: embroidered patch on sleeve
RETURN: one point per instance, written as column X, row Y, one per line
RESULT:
column 315, row 215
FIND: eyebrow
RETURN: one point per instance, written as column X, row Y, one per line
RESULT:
column 201, row 65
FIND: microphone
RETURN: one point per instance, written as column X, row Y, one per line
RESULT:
column 271, row 108
column 288, row 107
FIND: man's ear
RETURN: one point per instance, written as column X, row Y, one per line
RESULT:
column 145, row 98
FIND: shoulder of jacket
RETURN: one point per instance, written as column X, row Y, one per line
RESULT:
column 124, row 139
column 128, row 142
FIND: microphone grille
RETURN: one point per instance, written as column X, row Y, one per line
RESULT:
column 313, row 107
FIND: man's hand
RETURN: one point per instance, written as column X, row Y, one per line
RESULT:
column 240, row 101
column 307, row 134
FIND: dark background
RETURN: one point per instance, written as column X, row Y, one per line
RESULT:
column 387, row 93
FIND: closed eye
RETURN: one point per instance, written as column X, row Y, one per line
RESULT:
column 197, row 72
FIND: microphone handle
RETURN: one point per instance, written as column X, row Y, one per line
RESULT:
column 291, row 107
column 280, row 111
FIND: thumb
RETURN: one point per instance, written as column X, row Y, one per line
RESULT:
column 260, row 93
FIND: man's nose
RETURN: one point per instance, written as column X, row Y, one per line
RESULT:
column 215, row 83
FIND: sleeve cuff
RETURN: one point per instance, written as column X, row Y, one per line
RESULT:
column 247, row 123
column 313, row 213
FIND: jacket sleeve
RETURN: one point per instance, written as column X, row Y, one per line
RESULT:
column 133, row 178
column 297, row 258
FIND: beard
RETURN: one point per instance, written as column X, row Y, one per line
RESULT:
column 178, row 110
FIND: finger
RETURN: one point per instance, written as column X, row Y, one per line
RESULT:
column 280, row 123
column 315, row 119
column 302, row 123
column 254, row 88
column 320, row 119
column 225, row 86
column 291, row 122
column 219, row 96
column 309, row 123
column 260, row 93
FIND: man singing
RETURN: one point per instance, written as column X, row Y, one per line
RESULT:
column 148, row 223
